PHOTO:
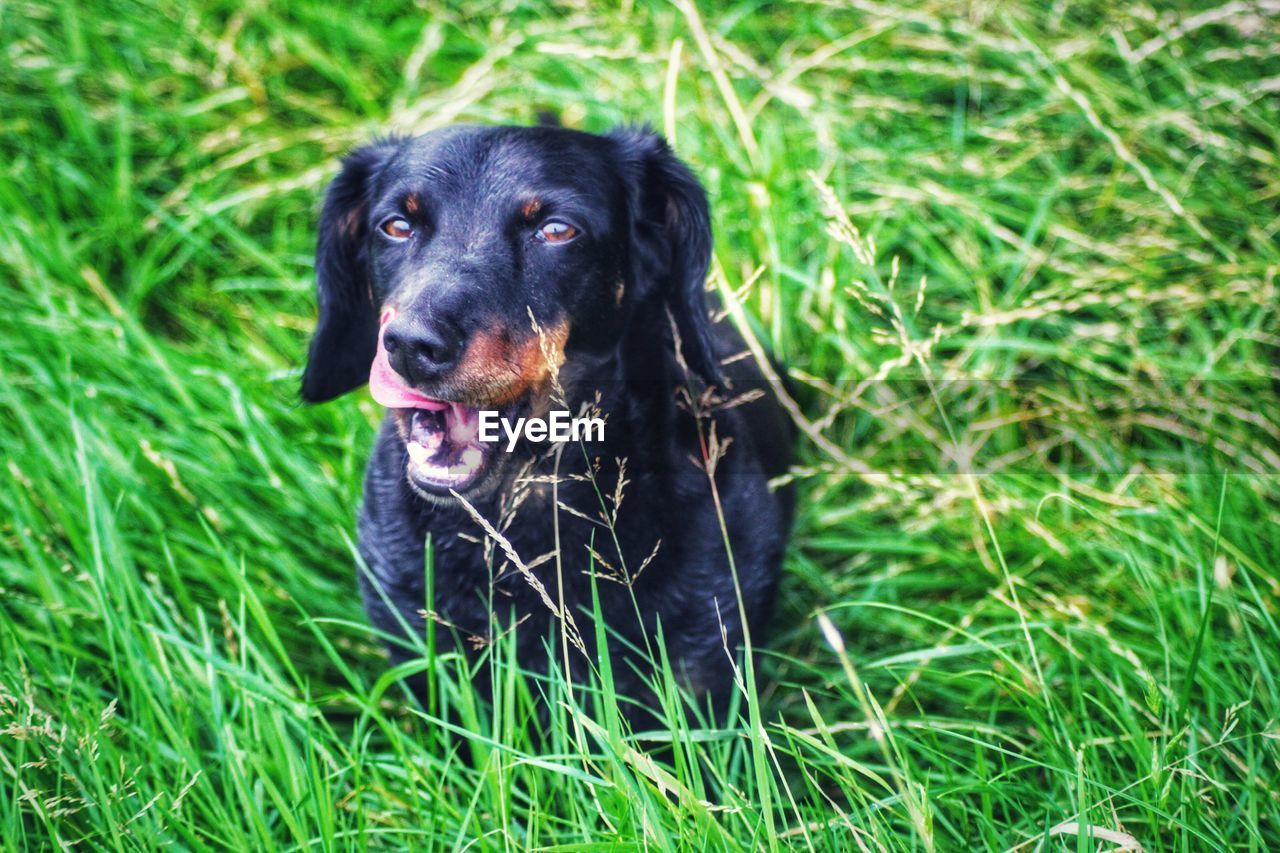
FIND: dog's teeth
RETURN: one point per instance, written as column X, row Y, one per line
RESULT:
column 417, row 453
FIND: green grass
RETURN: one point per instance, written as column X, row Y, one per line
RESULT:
column 1031, row 600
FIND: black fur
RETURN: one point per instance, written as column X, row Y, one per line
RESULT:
column 342, row 347
column 638, row 265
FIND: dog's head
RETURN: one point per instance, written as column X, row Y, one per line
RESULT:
column 457, row 271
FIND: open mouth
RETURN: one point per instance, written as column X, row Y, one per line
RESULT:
column 445, row 452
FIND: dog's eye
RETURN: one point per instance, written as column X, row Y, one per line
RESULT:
column 397, row 229
column 557, row 232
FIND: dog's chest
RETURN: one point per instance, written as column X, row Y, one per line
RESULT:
column 537, row 566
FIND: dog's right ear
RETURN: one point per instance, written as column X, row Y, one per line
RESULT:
column 346, row 336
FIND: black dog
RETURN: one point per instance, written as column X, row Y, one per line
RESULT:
column 522, row 270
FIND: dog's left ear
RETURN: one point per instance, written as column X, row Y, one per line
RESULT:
column 346, row 336
column 671, row 242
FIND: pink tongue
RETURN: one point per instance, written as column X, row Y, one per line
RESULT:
column 387, row 386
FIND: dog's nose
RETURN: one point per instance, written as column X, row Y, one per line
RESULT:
column 421, row 352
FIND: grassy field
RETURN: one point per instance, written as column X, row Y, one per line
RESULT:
column 1021, row 264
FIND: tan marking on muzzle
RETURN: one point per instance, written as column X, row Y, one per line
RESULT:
column 497, row 369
